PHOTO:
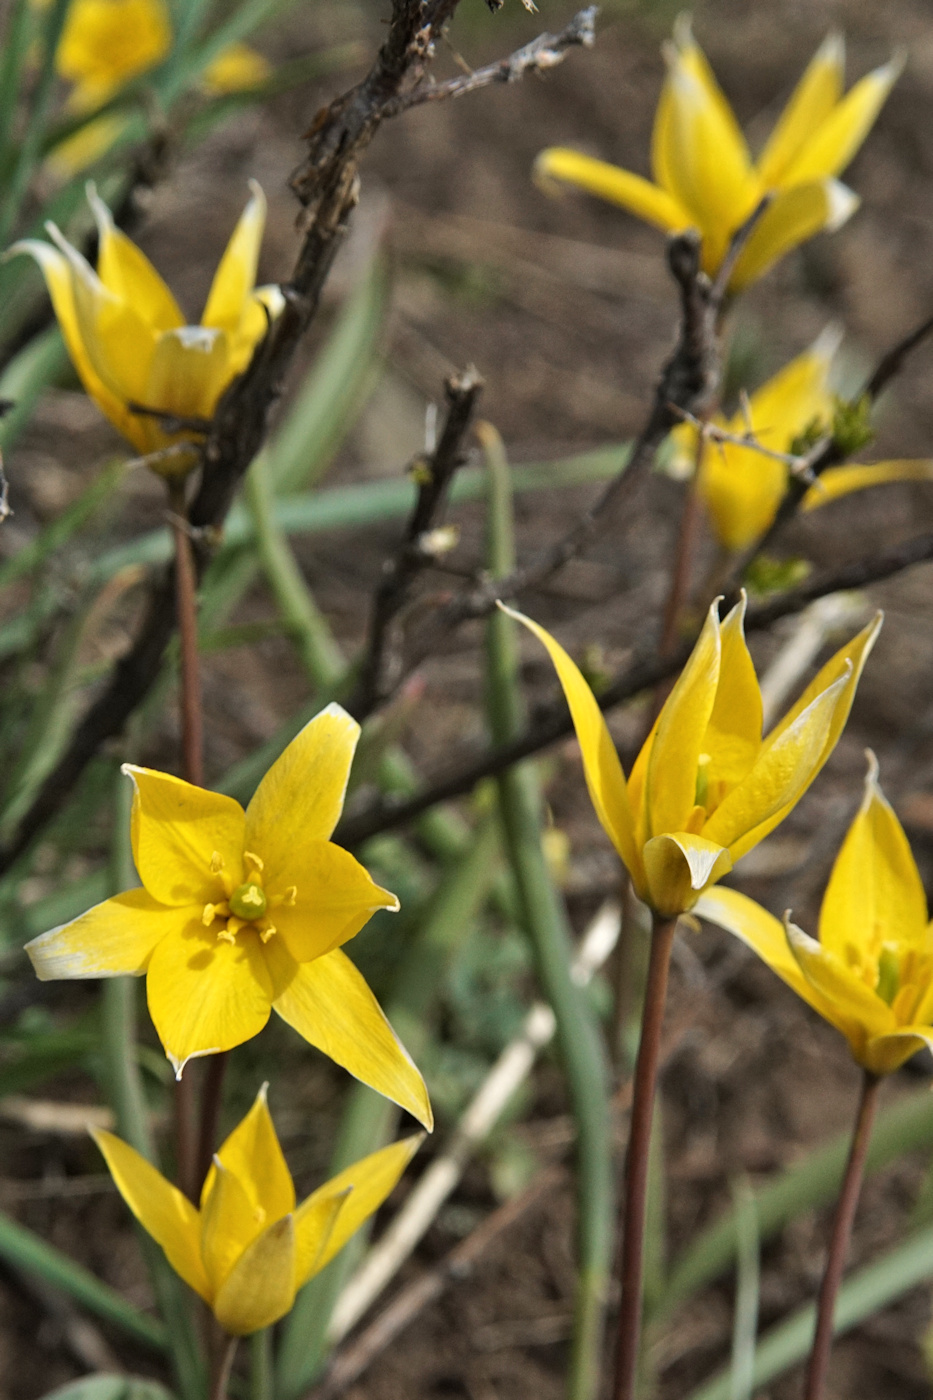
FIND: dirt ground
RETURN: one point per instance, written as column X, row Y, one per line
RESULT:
column 565, row 308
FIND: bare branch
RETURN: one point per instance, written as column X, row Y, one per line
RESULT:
column 326, row 184
column 414, row 554
column 545, row 52
column 642, row 674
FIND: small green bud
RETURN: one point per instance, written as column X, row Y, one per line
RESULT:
column 852, row 429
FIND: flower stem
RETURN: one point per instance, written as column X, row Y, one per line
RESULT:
column 211, row 1097
column 636, row 1168
column 186, row 603
column 839, row 1240
column 221, row 1366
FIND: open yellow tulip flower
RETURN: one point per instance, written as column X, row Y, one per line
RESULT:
column 741, row 487
column 871, row 972
column 128, row 341
column 706, row 787
column 705, row 177
column 105, row 44
column 249, row 1247
column 244, row 912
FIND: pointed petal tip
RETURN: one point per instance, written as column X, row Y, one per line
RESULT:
column 842, row 204
column 828, row 341
column 871, row 776
column 178, row 1065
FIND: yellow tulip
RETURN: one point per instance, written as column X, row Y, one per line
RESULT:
column 249, row 1247
column 127, row 337
column 704, row 175
column 706, row 788
column 741, row 487
column 871, row 972
column 107, row 43
column 243, row 912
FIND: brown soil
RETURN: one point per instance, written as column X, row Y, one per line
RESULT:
column 565, row 308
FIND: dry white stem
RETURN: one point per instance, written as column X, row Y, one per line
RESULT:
column 508, row 1073
column 47, row 1116
column 811, row 629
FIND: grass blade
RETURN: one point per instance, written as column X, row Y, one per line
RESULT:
column 545, row 918
column 865, row 1293
column 747, row 1291
column 27, row 1251
column 903, row 1127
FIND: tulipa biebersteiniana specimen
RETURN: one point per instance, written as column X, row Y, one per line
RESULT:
column 249, row 1248
column 741, row 487
column 706, row 788
column 704, row 175
column 105, row 44
column 128, row 341
column 871, row 972
column 241, row 913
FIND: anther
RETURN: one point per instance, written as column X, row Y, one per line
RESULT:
column 217, row 863
column 254, row 860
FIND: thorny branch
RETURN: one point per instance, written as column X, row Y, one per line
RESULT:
column 645, row 672
column 434, row 474
column 537, row 57
column 327, row 185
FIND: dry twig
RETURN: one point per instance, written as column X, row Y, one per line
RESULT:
column 327, row 186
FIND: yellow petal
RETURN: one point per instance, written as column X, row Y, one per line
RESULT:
column 368, row 1182
column 733, row 735
column 875, row 895
column 857, row 1011
column 741, row 489
column 236, row 274
column 329, row 1003
column 810, row 104
column 161, row 1209
column 678, row 866
column 229, row 1222
column 333, row 898
column 670, row 786
column 188, row 372
column 235, row 68
column 835, row 141
column 253, row 1155
column 113, row 939
column 707, row 164
column 604, row 777
column 794, row 215
column 177, row 829
column 107, row 42
column 842, row 481
column 261, row 1286
column 118, row 342
column 639, row 196
column 206, row 995
column 314, row 1224
column 884, row 1054
column 83, row 148
column 57, row 273
column 125, row 271
column 782, row 773
column 262, row 307
column 854, row 654
column 764, row 934
column 301, row 797
column 791, row 399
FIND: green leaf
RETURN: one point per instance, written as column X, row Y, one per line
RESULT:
column 105, row 1387
column 28, row 1251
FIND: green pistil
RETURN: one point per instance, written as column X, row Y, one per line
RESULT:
column 889, row 975
column 249, row 901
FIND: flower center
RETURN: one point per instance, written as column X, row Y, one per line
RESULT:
column 249, row 901
column 247, row 904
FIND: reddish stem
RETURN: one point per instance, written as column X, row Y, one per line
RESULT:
column 636, row 1168
column 839, row 1240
